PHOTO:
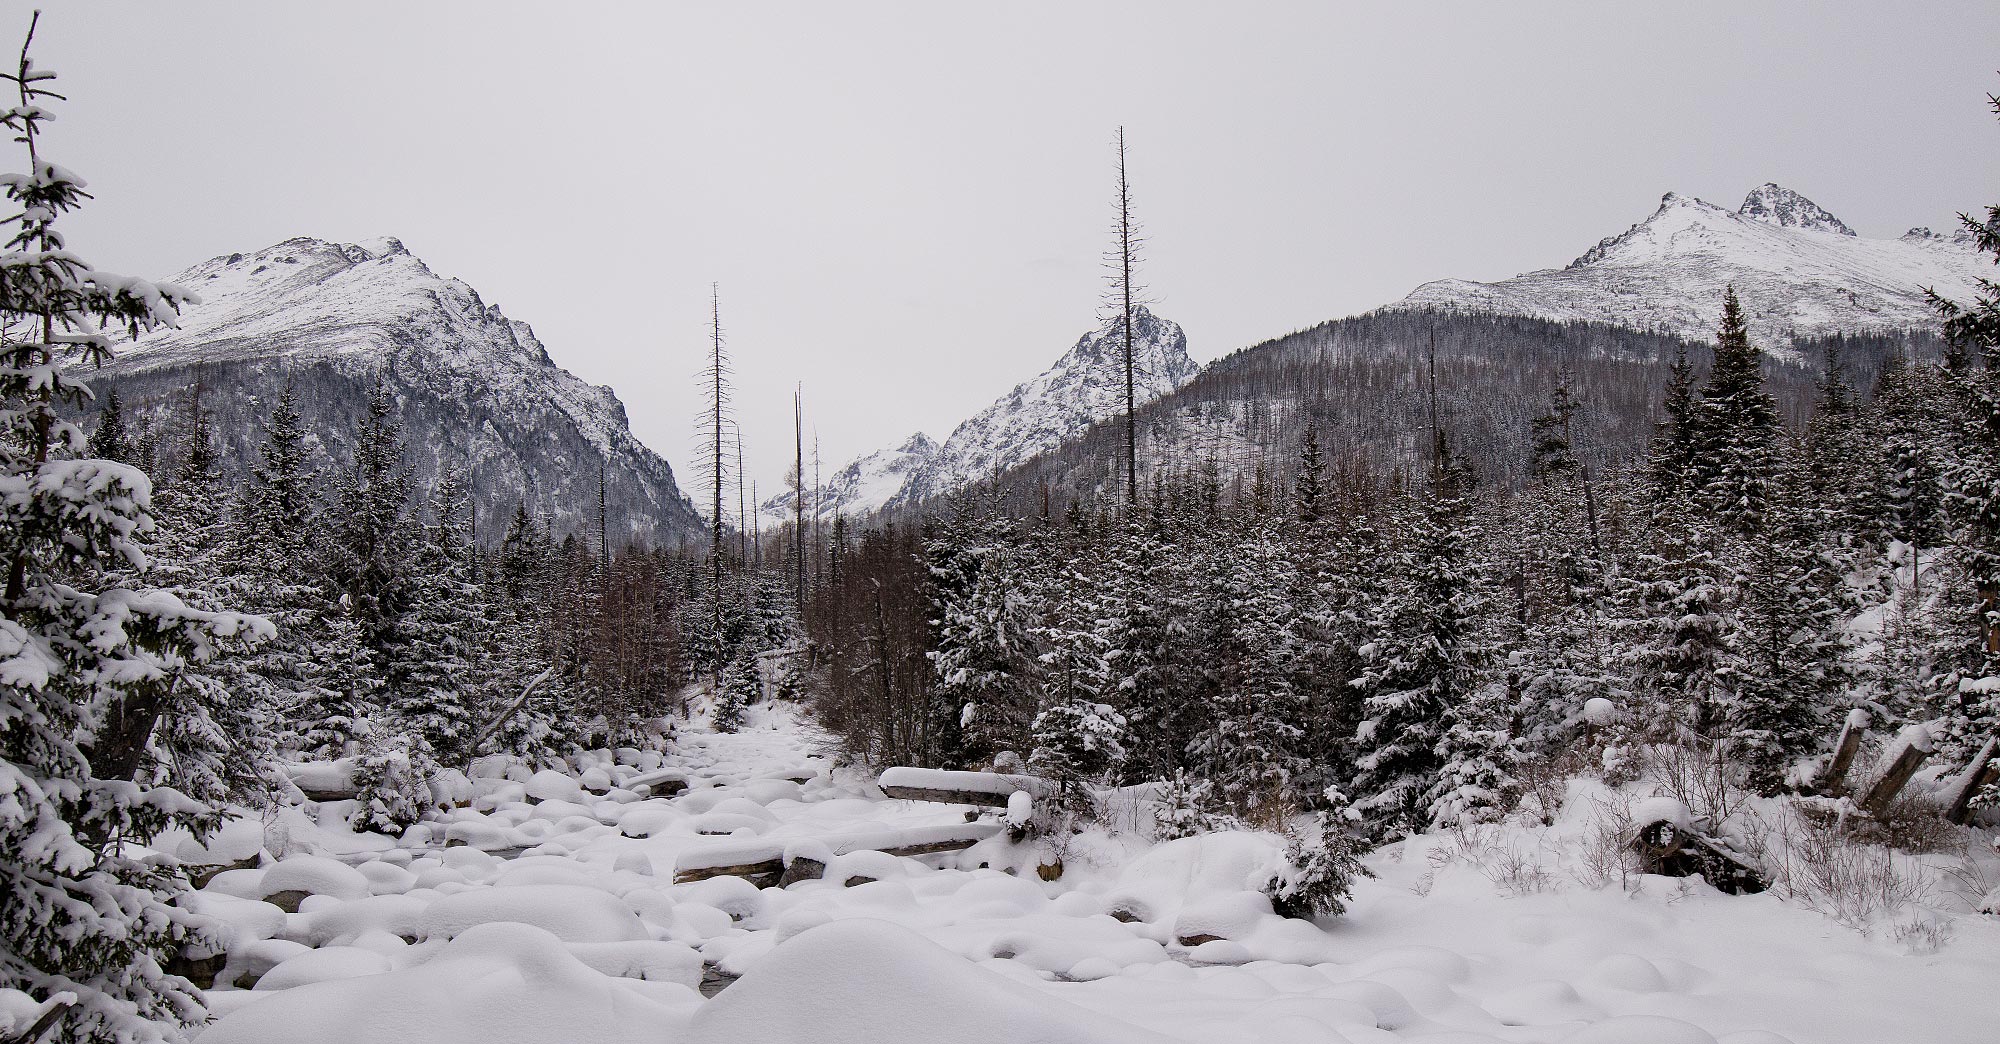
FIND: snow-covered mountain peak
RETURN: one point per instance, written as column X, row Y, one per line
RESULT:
column 1798, row 270
column 1086, row 384
column 859, row 487
column 475, row 385
column 1787, row 209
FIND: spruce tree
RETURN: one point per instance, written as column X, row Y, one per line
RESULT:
column 104, row 719
column 110, row 440
column 1972, row 484
column 1738, row 427
column 1677, row 441
column 1421, row 663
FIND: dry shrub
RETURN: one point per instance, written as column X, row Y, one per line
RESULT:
column 1699, row 774
column 1544, row 782
column 1819, row 863
column 1485, row 847
column 1912, row 823
column 1603, row 855
column 1922, row 935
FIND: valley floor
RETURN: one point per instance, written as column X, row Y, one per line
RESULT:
column 555, row 919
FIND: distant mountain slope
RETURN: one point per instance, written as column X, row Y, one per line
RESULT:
column 860, row 487
column 1799, row 270
column 476, row 389
column 1085, row 386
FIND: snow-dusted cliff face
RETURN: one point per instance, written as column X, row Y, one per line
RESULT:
column 1797, row 268
column 861, row 487
column 1086, row 385
column 475, row 388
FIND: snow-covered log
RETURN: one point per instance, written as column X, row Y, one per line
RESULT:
column 44, row 1019
column 988, row 789
column 1667, row 842
column 1903, row 759
column 765, row 859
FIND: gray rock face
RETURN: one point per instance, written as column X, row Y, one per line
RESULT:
column 475, row 389
column 1784, row 208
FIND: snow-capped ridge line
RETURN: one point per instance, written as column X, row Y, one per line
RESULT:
column 1799, row 270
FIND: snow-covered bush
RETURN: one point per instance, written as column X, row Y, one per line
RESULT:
column 392, row 787
column 1189, row 806
column 1321, row 863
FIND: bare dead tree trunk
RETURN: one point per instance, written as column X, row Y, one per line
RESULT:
column 1127, row 243
column 718, row 414
column 799, row 489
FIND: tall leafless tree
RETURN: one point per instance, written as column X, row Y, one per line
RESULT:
column 1126, row 295
column 799, row 490
column 716, row 418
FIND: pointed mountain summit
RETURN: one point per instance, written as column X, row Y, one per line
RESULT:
column 1784, row 208
column 861, row 486
column 1798, row 270
column 1084, row 386
column 475, row 390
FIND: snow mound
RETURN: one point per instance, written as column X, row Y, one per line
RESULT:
column 864, row 981
column 1641, row 1029
column 573, row 914
column 495, row 984
column 315, row 875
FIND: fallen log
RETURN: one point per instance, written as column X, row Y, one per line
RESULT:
column 986, row 789
column 763, row 861
column 1907, row 755
column 52, row 1009
column 1667, row 843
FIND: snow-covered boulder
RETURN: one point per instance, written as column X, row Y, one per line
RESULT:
column 495, row 984
column 573, row 914
column 314, row 875
column 862, row 981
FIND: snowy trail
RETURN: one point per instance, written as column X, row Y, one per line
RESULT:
column 578, row 933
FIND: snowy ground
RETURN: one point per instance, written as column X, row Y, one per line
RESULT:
column 557, row 920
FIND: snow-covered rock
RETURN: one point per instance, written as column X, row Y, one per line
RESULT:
column 1796, row 267
column 497, row 984
column 573, row 914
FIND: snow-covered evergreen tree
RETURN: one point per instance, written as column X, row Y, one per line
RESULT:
column 1738, row 426
column 1252, row 748
column 1420, row 663
column 981, row 623
column 102, row 688
column 1321, row 863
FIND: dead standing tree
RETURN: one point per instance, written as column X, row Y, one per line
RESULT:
column 716, row 419
column 1126, row 295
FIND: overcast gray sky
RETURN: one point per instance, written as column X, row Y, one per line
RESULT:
column 905, row 204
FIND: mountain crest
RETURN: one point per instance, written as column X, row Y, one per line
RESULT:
column 1784, row 208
